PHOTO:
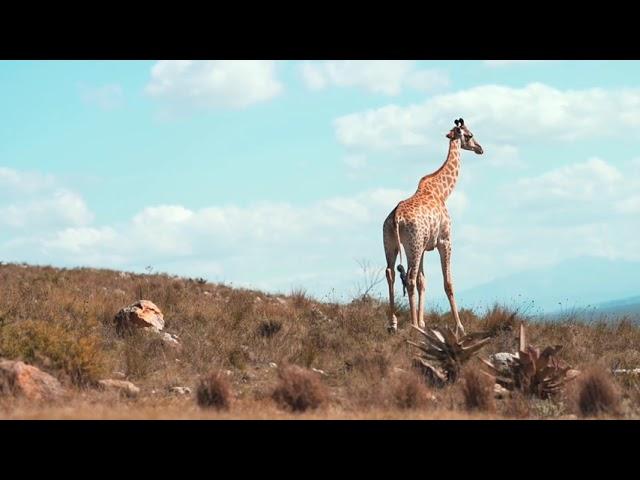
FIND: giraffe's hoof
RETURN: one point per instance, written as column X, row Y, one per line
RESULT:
column 392, row 329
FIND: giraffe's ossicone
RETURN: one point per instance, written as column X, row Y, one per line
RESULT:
column 422, row 223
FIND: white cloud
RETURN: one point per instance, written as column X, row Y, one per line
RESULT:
column 219, row 232
column 387, row 77
column 106, row 97
column 506, row 115
column 578, row 182
column 36, row 201
column 630, row 205
column 214, row 84
column 14, row 181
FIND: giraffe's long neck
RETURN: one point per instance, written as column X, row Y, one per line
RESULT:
column 443, row 180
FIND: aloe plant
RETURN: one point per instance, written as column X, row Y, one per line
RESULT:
column 534, row 372
column 444, row 352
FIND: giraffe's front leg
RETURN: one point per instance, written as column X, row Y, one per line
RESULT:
column 444, row 249
column 422, row 286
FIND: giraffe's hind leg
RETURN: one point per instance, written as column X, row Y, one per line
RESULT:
column 391, row 249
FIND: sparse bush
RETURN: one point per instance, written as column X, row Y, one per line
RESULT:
column 269, row 328
column 52, row 346
column 477, row 390
column 597, row 394
column 214, row 391
column 299, row 389
column 409, row 392
column 238, row 358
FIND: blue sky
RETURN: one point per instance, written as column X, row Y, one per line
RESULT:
column 278, row 175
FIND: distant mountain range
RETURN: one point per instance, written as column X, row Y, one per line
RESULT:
column 625, row 306
column 586, row 282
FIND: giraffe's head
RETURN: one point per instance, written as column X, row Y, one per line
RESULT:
column 467, row 141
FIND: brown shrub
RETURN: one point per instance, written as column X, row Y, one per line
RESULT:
column 477, row 390
column 596, row 394
column 269, row 328
column 214, row 391
column 299, row 389
column 408, row 392
column 52, row 346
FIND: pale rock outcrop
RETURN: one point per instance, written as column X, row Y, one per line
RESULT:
column 123, row 387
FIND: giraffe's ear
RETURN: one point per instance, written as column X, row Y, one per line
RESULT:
column 457, row 122
column 461, row 122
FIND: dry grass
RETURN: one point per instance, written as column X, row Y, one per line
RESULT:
column 61, row 320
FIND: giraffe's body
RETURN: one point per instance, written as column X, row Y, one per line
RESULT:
column 422, row 223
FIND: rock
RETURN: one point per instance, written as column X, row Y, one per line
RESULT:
column 318, row 315
column 180, row 390
column 119, row 375
column 321, row 372
column 171, row 340
column 207, row 293
column 281, row 301
column 124, row 275
column 273, row 364
column 500, row 392
column 142, row 314
column 228, row 373
column 18, row 378
column 123, row 387
column 257, row 300
column 503, row 360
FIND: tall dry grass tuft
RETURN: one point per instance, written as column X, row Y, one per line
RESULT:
column 299, row 389
column 596, row 394
column 214, row 391
column 498, row 320
column 477, row 390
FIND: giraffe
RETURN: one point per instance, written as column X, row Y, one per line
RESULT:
column 422, row 223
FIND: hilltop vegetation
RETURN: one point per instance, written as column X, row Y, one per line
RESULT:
column 247, row 354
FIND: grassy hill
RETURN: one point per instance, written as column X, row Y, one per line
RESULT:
column 61, row 320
